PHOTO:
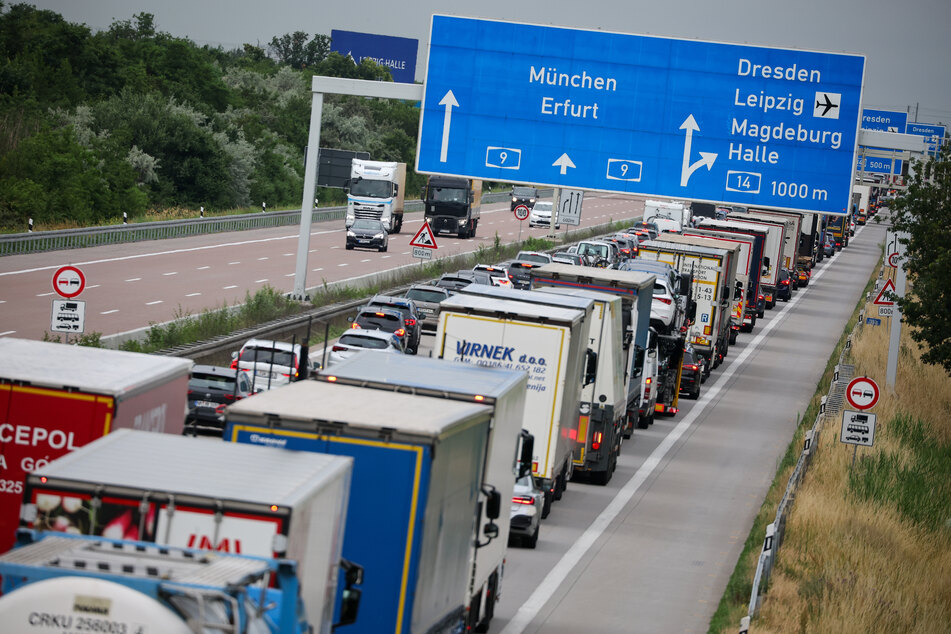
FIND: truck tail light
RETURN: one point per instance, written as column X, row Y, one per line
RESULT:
column 596, row 441
column 523, row 499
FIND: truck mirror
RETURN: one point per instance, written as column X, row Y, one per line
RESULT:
column 738, row 291
column 765, row 263
column 349, row 606
column 591, row 367
column 493, row 503
column 396, row 189
column 527, row 453
column 346, row 186
column 305, row 364
column 491, row 530
column 691, row 309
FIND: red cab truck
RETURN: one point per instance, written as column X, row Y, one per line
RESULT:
column 55, row 398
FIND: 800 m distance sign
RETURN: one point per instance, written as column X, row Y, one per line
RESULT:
column 564, row 107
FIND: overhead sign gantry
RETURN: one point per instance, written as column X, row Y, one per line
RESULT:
column 641, row 114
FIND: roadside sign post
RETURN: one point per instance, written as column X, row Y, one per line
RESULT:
column 423, row 243
column 68, row 314
column 726, row 123
column 858, row 428
column 521, row 212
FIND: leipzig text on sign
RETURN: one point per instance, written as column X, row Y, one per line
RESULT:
column 396, row 53
column 637, row 114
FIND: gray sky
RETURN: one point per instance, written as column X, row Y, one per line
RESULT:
column 907, row 43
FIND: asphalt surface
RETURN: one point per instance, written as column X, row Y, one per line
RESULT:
column 134, row 285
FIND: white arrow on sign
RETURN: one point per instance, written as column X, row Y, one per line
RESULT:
column 706, row 158
column 564, row 163
column 449, row 100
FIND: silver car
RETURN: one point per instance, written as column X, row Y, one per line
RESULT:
column 525, row 514
column 355, row 340
column 427, row 298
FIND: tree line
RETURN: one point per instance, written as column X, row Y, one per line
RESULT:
column 131, row 119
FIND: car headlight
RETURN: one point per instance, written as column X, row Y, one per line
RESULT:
column 351, row 234
column 514, row 199
column 462, row 221
column 379, row 236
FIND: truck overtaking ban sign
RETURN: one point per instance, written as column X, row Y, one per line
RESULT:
column 862, row 393
column 68, row 281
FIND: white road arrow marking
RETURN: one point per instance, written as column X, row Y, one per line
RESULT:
column 449, row 100
column 706, row 158
column 564, row 163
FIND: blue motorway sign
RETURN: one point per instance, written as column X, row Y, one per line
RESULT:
column 878, row 165
column 396, row 53
column 884, row 120
column 564, row 107
column 935, row 133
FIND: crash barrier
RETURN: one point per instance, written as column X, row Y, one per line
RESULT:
column 830, row 408
column 40, row 241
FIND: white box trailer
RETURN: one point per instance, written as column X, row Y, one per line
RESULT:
column 204, row 493
column 603, row 413
column 793, row 221
column 713, row 266
column 501, row 390
column 772, row 250
column 546, row 342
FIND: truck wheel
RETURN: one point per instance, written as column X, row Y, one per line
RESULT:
column 399, row 226
column 602, row 477
column 559, row 486
column 546, row 505
column 475, row 225
column 642, row 422
column 732, row 339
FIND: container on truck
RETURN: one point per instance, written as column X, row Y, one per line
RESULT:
column 54, row 582
column 452, row 205
column 795, row 227
column 501, row 390
column 791, row 228
column 636, row 291
column 774, row 233
column 546, row 342
column 671, row 215
column 604, row 411
column 713, row 267
column 413, row 514
column 375, row 192
column 55, row 398
column 838, row 226
column 810, row 240
column 748, row 270
column 206, row 494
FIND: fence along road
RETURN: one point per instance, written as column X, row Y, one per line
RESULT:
column 653, row 551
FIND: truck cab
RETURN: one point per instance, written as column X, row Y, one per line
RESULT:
column 452, row 205
column 375, row 192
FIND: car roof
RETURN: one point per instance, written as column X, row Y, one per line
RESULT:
column 372, row 334
column 391, row 300
column 270, row 343
column 215, row 370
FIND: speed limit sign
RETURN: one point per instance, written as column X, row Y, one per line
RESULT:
column 521, row 212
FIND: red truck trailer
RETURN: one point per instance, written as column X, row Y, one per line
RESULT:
column 55, row 398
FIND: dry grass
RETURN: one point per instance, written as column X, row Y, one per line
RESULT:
column 868, row 548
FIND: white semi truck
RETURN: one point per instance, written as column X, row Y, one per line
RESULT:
column 375, row 192
column 547, row 343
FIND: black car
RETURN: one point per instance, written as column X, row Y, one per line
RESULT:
column 385, row 319
column 412, row 317
column 784, row 286
column 367, row 234
column 691, row 375
column 211, row 388
column 520, row 273
column 524, row 196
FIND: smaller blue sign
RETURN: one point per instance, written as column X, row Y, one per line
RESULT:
column 884, row 120
column 878, row 165
column 396, row 53
column 873, row 321
column 934, row 134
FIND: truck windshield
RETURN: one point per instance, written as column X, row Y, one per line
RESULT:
column 448, row 195
column 370, row 188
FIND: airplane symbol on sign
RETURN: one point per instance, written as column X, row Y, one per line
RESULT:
column 827, row 104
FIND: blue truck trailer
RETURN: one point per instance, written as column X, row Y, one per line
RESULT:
column 413, row 514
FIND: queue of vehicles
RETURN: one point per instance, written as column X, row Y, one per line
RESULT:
column 531, row 384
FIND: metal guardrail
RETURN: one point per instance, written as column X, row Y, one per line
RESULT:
column 40, row 241
column 829, row 409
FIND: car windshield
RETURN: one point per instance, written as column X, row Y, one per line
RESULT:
column 426, row 295
column 359, row 341
column 370, row 188
column 531, row 257
column 542, row 206
column 271, row 356
column 523, row 192
column 201, row 381
column 368, row 225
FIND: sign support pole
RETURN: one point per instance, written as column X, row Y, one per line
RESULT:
column 891, row 369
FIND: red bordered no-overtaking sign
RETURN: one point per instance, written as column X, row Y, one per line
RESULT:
column 68, row 281
column 862, row 393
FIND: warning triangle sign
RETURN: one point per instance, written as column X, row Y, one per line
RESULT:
column 424, row 238
column 881, row 300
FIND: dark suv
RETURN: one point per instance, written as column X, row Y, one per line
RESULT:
column 524, row 196
column 211, row 388
column 412, row 317
column 385, row 319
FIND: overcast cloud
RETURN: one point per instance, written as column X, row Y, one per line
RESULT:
column 907, row 44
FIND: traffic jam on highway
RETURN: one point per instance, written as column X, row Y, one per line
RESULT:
column 500, row 389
